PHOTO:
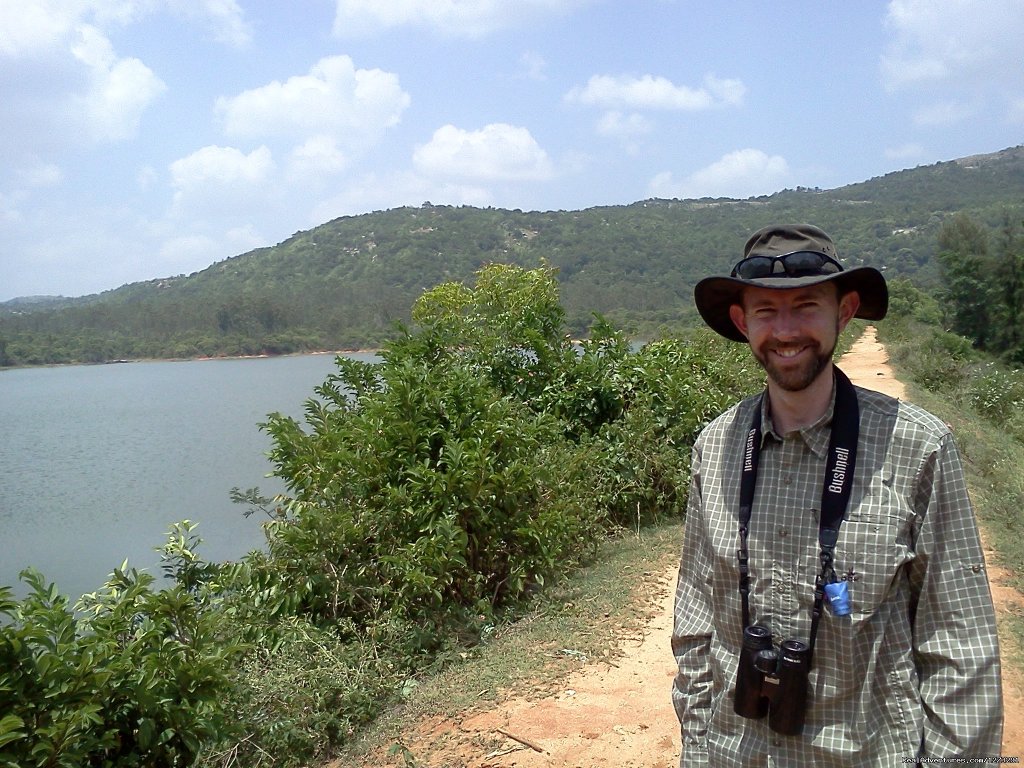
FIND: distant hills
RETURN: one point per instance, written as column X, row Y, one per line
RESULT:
column 346, row 283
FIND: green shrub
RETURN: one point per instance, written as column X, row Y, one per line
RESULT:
column 136, row 679
column 996, row 393
column 426, row 497
column 940, row 362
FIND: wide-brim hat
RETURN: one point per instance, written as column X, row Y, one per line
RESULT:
column 791, row 262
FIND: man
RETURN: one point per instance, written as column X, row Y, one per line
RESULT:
column 837, row 517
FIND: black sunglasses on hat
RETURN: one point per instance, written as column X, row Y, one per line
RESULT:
column 798, row 264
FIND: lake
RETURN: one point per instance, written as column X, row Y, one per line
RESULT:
column 97, row 462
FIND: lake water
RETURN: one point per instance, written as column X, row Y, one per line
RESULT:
column 97, row 462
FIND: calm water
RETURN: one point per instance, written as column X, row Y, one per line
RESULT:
column 96, row 462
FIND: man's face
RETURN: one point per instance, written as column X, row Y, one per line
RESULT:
column 793, row 332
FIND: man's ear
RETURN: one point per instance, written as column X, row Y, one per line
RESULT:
column 848, row 306
column 739, row 318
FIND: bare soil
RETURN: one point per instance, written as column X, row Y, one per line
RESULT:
column 617, row 711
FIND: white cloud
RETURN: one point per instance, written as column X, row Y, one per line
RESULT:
column 905, row 152
column 650, row 92
column 30, row 27
column 626, row 128
column 190, row 250
column 220, row 178
column 382, row 191
column 956, row 43
column 119, row 90
column 65, row 81
column 224, row 19
column 146, row 177
column 316, row 159
column 1016, row 111
column 334, row 99
column 740, row 174
column 42, row 175
column 534, row 66
column 497, row 152
column 942, row 113
column 460, row 18
column 34, row 26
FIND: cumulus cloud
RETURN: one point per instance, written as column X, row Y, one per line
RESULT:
column 954, row 42
column 119, row 90
column 1016, row 110
column 190, row 253
column 30, row 27
column 459, row 18
column 316, row 159
column 496, row 152
column 627, row 128
column 650, row 92
column 333, row 99
column 65, row 80
column 42, row 26
column 968, row 52
column 223, row 19
column 375, row 191
column 219, row 178
column 740, row 174
column 905, row 152
column 41, row 175
column 534, row 66
column 942, row 113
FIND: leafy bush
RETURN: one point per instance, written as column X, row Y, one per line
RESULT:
column 136, row 680
column 996, row 393
column 426, row 497
column 939, row 362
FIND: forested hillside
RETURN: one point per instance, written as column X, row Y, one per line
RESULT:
column 348, row 282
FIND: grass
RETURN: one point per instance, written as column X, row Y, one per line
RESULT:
column 580, row 619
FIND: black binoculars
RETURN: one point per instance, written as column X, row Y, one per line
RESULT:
column 773, row 683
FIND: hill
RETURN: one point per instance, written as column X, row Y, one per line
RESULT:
column 348, row 282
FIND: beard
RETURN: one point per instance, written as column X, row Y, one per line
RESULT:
column 796, row 377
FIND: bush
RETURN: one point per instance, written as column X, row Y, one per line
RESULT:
column 939, row 363
column 137, row 680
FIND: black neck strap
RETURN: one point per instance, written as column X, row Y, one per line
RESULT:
column 835, row 492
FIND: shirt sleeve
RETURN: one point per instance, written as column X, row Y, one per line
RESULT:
column 955, row 643
column 692, row 630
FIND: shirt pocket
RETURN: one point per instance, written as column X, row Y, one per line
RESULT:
column 873, row 546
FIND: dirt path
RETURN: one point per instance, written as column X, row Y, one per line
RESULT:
column 618, row 712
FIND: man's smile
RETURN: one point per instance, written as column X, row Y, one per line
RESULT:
column 788, row 351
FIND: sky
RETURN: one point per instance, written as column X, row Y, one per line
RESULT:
column 144, row 139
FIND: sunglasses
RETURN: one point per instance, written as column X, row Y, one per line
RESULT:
column 798, row 264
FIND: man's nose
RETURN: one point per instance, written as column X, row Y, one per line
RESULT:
column 786, row 325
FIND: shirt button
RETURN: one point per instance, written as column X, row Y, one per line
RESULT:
column 783, row 533
column 787, row 480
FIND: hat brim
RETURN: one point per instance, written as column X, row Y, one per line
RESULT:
column 714, row 295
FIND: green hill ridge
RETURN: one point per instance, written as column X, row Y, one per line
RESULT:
column 346, row 283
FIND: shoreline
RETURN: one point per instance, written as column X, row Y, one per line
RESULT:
column 200, row 358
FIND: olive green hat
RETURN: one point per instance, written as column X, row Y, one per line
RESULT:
column 782, row 257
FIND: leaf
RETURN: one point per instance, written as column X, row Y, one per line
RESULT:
column 10, row 726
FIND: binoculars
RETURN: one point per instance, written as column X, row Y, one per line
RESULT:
column 773, row 683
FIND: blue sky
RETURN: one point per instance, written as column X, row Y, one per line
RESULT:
column 151, row 138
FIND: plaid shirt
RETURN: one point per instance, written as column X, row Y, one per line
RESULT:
column 913, row 671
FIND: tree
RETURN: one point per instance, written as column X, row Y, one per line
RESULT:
column 967, row 271
column 1009, row 279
